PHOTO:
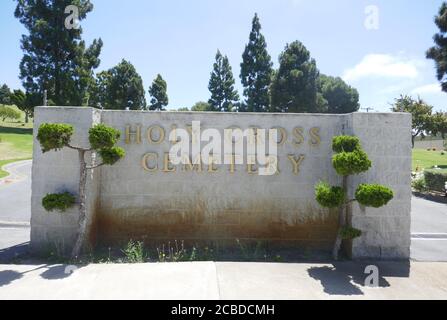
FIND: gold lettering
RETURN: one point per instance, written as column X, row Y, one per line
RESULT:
column 161, row 133
column 174, row 138
column 296, row 162
column 250, row 169
column 272, row 162
column 252, row 135
column 192, row 136
column 167, row 163
column 130, row 133
column 211, row 168
column 188, row 164
column 299, row 137
column 315, row 137
column 233, row 135
column 232, row 163
column 145, row 162
column 283, row 134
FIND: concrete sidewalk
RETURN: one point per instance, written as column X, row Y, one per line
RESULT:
column 210, row 280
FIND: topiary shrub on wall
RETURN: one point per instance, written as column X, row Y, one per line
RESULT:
column 349, row 159
column 58, row 201
column 56, row 136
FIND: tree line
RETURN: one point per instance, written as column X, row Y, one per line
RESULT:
column 59, row 63
column 296, row 86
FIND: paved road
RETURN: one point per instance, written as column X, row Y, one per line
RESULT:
column 429, row 219
column 15, row 193
column 429, row 229
column 15, row 210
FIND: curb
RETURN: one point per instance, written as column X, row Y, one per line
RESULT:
column 11, row 173
column 20, row 225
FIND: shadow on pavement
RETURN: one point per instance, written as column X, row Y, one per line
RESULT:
column 8, row 276
column 8, row 255
column 348, row 278
column 58, row 272
column 51, row 273
column 431, row 197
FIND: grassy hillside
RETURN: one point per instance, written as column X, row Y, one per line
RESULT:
column 20, row 123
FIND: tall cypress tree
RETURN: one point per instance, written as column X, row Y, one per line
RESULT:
column 439, row 52
column 256, row 71
column 158, row 92
column 224, row 96
column 295, row 86
column 55, row 58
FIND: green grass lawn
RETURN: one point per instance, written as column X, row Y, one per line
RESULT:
column 16, row 141
column 426, row 159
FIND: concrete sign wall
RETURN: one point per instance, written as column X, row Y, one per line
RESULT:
column 148, row 196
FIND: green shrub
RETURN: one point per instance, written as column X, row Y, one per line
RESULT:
column 135, row 252
column 103, row 137
column 58, row 201
column 350, row 233
column 435, row 179
column 419, row 184
column 347, row 163
column 345, row 144
column 54, row 136
column 111, row 155
column 373, row 195
column 329, row 197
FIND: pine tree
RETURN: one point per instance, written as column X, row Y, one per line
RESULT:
column 5, row 95
column 224, row 96
column 158, row 92
column 340, row 97
column 55, row 58
column 256, row 71
column 439, row 52
column 119, row 88
column 294, row 86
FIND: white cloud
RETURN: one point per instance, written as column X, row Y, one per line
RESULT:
column 434, row 88
column 383, row 66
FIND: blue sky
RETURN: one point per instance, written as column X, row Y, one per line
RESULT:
column 179, row 39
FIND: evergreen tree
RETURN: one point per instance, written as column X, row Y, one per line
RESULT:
column 120, row 88
column 340, row 97
column 158, row 92
column 25, row 102
column 224, row 96
column 294, row 86
column 5, row 94
column 439, row 52
column 201, row 106
column 256, row 71
column 55, row 58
